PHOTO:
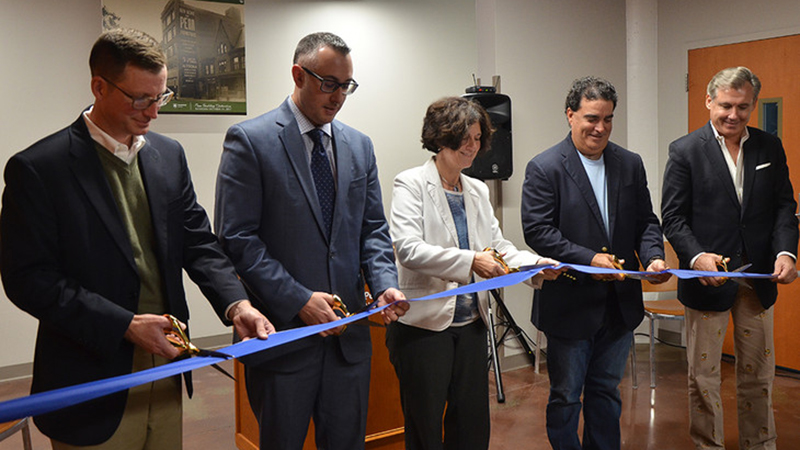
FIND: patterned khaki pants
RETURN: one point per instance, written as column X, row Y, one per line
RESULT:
column 755, row 370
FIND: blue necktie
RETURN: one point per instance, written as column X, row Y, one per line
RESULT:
column 323, row 178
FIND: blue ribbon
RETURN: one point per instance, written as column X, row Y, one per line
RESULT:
column 49, row 401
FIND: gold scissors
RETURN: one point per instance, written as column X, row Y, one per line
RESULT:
column 499, row 259
column 723, row 263
column 177, row 337
column 340, row 309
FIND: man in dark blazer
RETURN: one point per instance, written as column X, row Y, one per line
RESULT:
column 99, row 221
column 585, row 201
column 727, row 196
column 296, row 243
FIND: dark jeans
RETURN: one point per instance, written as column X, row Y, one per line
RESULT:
column 595, row 367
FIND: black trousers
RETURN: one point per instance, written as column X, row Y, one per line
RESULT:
column 442, row 373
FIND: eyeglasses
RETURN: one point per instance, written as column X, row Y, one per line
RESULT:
column 329, row 86
column 142, row 103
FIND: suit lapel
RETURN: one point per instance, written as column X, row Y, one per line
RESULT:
column 89, row 173
column 295, row 149
column 153, row 178
column 613, row 179
column 439, row 199
column 343, row 152
column 750, row 159
column 471, row 211
column 574, row 168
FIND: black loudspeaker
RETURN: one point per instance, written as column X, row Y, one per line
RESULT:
column 496, row 164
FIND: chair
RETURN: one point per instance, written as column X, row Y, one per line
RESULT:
column 665, row 307
column 9, row 428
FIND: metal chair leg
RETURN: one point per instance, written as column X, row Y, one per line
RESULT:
column 634, row 379
column 652, row 353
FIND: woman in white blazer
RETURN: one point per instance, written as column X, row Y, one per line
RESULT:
column 441, row 222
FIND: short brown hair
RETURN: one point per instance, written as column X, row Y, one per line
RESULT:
column 447, row 123
column 117, row 48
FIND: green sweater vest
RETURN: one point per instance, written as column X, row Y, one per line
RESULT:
column 134, row 209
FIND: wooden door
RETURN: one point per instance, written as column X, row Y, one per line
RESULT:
column 384, row 417
column 775, row 61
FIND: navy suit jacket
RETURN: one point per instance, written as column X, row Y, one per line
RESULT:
column 67, row 260
column 702, row 213
column 561, row 219
column 270, row 224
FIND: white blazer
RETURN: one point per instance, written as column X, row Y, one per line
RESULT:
column 426, row 243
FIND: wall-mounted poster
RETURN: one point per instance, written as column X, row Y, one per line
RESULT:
column 204, row 43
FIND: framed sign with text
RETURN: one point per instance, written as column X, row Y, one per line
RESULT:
column 204, row 44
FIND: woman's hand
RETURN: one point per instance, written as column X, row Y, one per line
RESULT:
column 485, row 266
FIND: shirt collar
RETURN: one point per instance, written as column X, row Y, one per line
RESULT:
column 721, row 139
column 303, row 123
column 116, row 148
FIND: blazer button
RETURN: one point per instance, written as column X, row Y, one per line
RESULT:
column 604, row 249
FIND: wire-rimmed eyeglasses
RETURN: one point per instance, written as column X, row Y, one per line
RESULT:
column 329, row 86
column 142, row 103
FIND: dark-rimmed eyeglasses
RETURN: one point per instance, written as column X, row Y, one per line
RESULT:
column 329, row 86
column 142, row 103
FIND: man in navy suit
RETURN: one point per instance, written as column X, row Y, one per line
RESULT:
column 585, row 201
column 299, row 212
column 727, row 197
column 99, row 222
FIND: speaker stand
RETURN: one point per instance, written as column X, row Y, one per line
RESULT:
column 510, row 327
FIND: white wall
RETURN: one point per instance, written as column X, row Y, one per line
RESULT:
column 406, row 54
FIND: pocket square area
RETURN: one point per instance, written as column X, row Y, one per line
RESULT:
column 763, row 166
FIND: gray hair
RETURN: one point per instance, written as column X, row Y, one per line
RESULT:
column 590, row 88
column 308, row 46
column 733, row 78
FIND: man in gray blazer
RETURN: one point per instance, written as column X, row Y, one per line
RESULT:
column 99, row 222
column 299, row 212
column 727, row 196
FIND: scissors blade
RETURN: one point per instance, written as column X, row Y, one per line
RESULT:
column 743, row 268
column 223, row 371
column 643, row 276
column 204, row 352
column 534, row 266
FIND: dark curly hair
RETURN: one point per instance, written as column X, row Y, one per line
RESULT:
column 590, row 88
column 447, row 123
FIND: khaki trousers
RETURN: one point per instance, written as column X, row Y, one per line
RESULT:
column 153, row 417
column 755, row 371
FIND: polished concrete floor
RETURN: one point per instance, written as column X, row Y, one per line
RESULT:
column 653, row 419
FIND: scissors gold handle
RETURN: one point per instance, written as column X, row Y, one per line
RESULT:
column 617, row 263
column 178, row 338
column 499, row 259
